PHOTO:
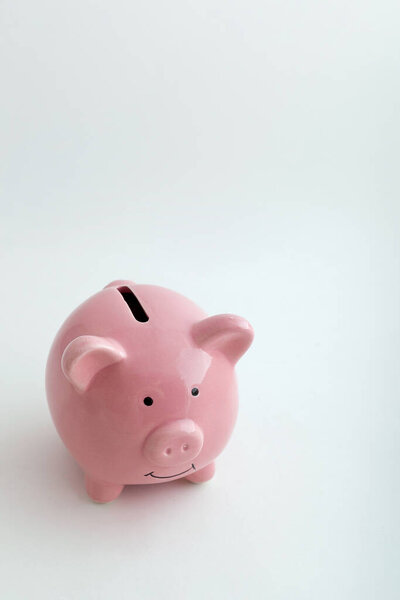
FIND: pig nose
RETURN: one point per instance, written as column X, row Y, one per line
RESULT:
column 174, row 443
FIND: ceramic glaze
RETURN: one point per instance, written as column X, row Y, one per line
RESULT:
column 141, row 386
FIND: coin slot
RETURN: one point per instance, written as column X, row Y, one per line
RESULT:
column 134, row 305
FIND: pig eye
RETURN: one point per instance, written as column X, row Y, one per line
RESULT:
column 148, row 401
column 195, row 391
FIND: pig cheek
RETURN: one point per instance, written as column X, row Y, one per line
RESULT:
column 115, row 405
column 122, row 415
column 215, row 409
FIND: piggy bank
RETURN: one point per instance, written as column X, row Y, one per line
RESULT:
column 141, row 386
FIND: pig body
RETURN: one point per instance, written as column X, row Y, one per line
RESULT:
column 141, row 386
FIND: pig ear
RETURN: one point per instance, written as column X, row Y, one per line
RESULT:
column 228, row 334
column 85, row 356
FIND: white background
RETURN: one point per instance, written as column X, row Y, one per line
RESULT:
column 245, row 154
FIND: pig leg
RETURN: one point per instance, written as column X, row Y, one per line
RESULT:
column 102, row 492
column 204, row 474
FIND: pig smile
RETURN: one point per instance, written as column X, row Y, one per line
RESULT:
column 169, row 476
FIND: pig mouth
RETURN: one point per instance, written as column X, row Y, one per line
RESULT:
column 192, row 468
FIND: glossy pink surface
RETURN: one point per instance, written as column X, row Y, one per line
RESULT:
column 148, row 400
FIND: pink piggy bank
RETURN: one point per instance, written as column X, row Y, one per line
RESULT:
column 141, row 386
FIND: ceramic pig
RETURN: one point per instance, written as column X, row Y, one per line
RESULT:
column 141, row 386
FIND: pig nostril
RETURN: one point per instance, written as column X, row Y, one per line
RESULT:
column 168, row 451
column 185, row 447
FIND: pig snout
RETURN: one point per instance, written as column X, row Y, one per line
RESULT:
column 174, row 443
